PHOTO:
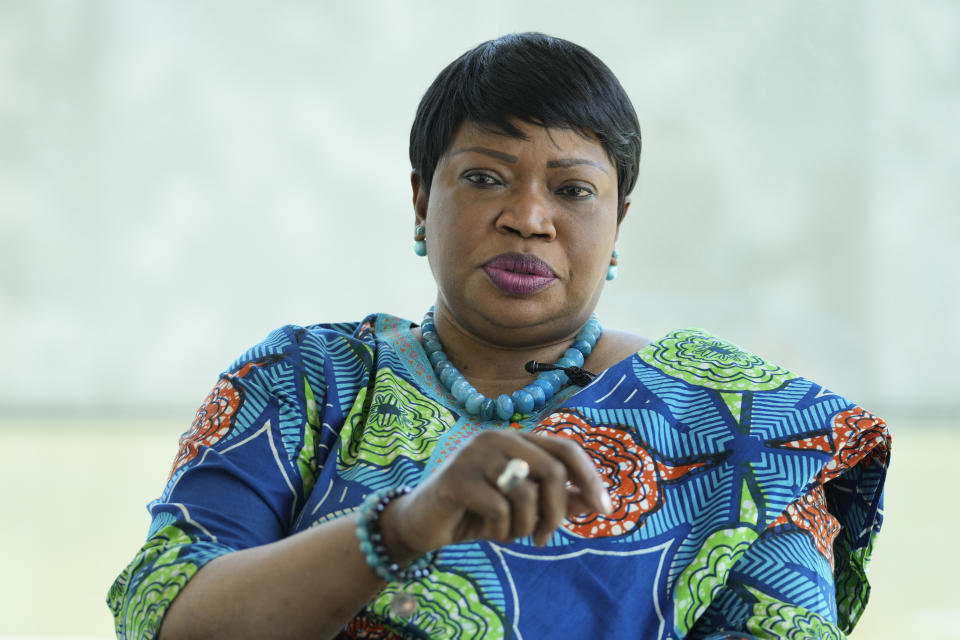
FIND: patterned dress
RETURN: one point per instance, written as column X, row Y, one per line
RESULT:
column 746, row 498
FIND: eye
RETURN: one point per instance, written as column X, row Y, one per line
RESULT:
column 481, row 179
column 576, row 191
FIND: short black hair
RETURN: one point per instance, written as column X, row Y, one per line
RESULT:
column 535, row 78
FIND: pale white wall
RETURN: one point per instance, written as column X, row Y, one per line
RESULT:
column 178, row 178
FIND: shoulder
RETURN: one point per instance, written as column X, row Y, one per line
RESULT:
column 615, row 346
column 310, row 344
column 700, row 358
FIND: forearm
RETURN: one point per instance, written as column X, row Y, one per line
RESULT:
column 313, row 583
column 308, row 585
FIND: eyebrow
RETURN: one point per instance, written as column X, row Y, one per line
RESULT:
column 499, row 155
column 572, row 162
column 562, row 163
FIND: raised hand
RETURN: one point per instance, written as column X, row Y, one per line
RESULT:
column 461, row 500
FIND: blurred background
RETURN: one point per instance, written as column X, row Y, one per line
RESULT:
column 179, row 178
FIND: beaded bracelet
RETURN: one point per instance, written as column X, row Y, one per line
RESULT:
column 371, row 540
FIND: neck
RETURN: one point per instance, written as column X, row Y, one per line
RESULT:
column 493, row 368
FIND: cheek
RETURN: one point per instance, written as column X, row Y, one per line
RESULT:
column 588, row 263
column 439, row 224
column 448, row 244
column 457, row 224
column 592, row 240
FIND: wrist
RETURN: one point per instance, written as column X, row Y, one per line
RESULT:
column 391, row 529
column 403, row 564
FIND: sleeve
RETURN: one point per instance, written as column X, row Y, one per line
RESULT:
column 242, row 472
column 805, row 575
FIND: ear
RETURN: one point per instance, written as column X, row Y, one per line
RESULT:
column 419, row 197
column 626, row 207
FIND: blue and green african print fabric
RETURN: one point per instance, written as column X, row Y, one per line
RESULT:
column 746, row 498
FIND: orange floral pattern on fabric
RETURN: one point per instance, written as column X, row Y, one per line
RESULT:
column 816, row 443
column 809, row 512
column 857, row 435
column 214, row 417
column 632, row 474
column 363, row 628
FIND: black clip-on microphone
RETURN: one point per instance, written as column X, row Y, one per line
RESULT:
column 578, row 376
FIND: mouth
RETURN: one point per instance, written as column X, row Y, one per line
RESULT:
column 519, row 274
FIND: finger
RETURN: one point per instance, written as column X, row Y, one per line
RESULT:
column 480, row 510
column 577, row 504
column 524, row 513
column 579, row 467
column 491, row 506
column 546, row 471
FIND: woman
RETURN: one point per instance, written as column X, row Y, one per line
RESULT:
column 382, row 479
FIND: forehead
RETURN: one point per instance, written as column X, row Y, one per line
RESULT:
column 538, row 141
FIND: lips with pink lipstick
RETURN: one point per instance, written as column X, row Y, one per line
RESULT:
column 519, row 274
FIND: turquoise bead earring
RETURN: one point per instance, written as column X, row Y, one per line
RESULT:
column 612, row 269
column 419, row 245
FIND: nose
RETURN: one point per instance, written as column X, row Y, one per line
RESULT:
column 528, row 214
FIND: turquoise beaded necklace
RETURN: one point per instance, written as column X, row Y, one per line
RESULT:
column 525, row 401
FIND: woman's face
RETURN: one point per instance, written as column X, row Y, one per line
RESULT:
column 520, row 231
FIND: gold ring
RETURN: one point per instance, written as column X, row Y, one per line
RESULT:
column 513, row 474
